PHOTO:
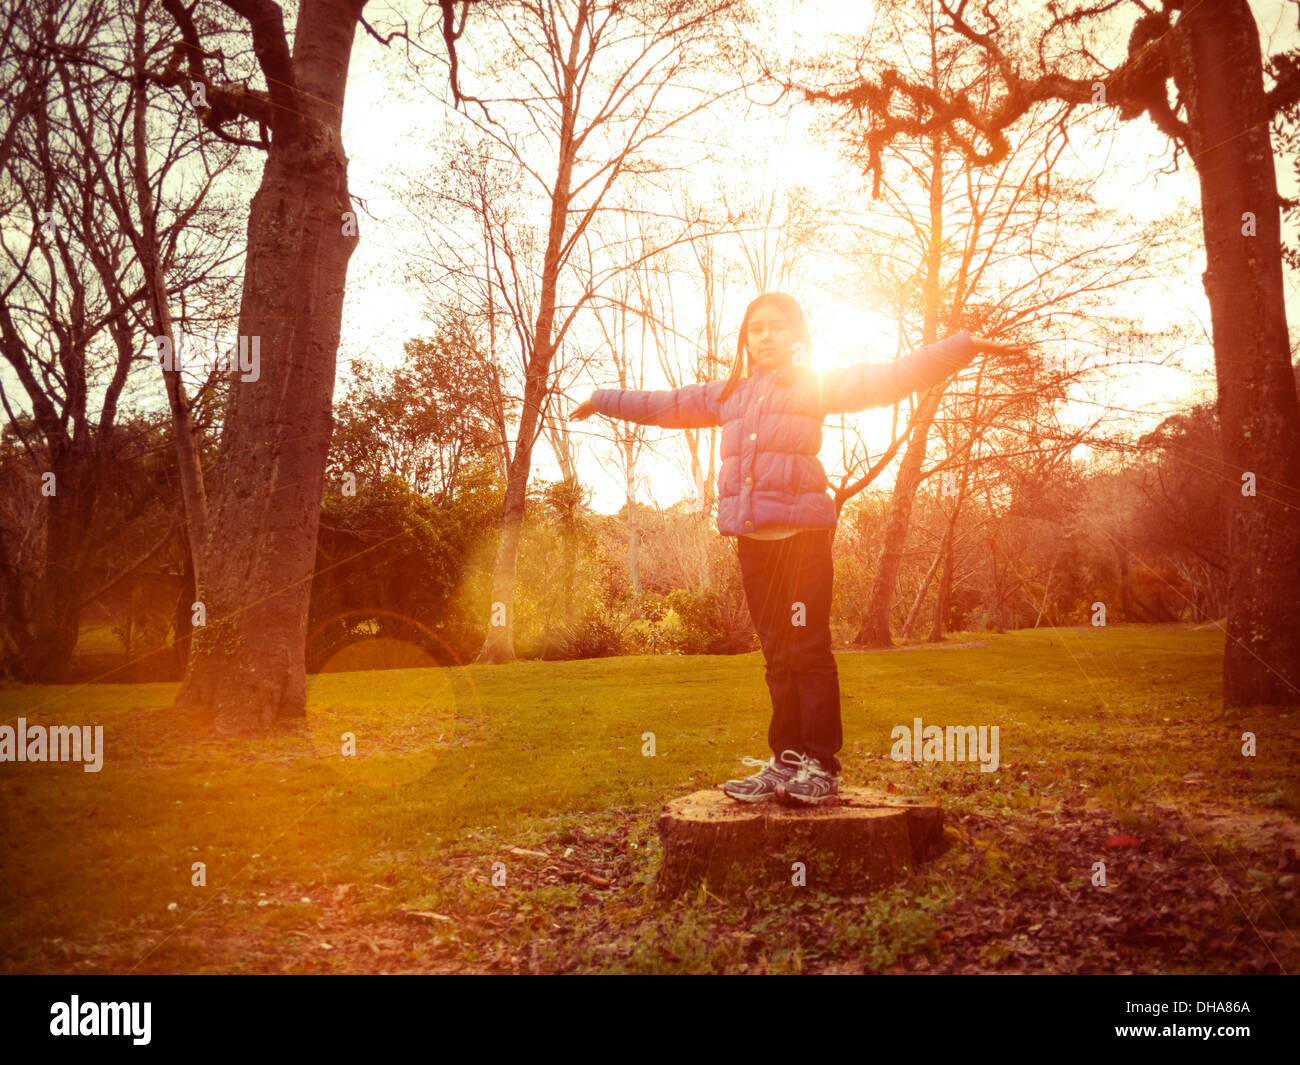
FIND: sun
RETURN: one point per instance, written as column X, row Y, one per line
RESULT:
column 844, row 334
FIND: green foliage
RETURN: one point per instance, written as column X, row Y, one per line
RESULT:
column 898, row 923
column 432, row 420
column 594, row 637
column 658, row 630
column 116, row 496
column 652, row 606
column 390, row 562
column 707, row 628
column 560, row 612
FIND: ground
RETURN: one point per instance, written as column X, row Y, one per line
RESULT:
column 501, row 819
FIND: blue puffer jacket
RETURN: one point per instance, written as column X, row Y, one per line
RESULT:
column 772, row 428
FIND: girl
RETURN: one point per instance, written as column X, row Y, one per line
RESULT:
column 772, row 498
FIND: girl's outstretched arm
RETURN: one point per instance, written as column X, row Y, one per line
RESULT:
column 688, row 407
column 879, row 384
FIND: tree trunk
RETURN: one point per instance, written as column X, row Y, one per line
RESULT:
column 948, row 551
column 1047, row 593
column 940, row 622
column 182, row 624
column 633, row 566
column 861, row 843
column 1228, row 121
column 919, row 598
column 1125, row 603
column 57, row 610
column 155, row 274
column 874, row 630
column 247, row 661
column 998, row 595
column 499, row 644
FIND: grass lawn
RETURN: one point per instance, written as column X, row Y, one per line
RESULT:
column 384, row 861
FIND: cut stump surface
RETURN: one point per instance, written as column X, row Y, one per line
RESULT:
column 862, row 843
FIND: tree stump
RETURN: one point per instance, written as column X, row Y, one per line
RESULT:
column 863, row 843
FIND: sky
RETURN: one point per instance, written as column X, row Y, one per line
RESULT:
column 777, row 148
column 394, row 131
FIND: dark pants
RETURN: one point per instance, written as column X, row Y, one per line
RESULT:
column 788, row 589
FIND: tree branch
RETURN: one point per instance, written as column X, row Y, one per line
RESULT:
column 266, row 21
column 1137, row 86
column 130, row 568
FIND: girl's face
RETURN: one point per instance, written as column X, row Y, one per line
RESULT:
column 770, row 338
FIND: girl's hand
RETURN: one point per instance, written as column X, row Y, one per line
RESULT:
column 989, row 347
column 583, row 410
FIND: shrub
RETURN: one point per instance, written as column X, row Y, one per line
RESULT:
column 594, row 637
column 708, row 627
column 661, row 636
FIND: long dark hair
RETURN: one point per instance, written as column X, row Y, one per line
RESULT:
column 744, row 366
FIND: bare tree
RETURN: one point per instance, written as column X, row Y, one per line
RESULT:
column 1227, row 134
column 626, row 337
column 248, row 661
column 112, row 236
column 593, row 74
column 1010, row 216
column 685, row 352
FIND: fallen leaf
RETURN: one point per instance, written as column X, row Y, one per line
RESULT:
column 428, row 915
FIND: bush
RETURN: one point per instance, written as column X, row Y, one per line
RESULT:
column 390, row 553
column 708, row 628
column 652, row 606
column 595, row 637
column 660, row 636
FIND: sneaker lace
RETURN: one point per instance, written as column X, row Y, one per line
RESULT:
column 806, row 764
column 759, row 763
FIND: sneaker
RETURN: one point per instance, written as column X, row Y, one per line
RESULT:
column 763, row 784
column 811, row 784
